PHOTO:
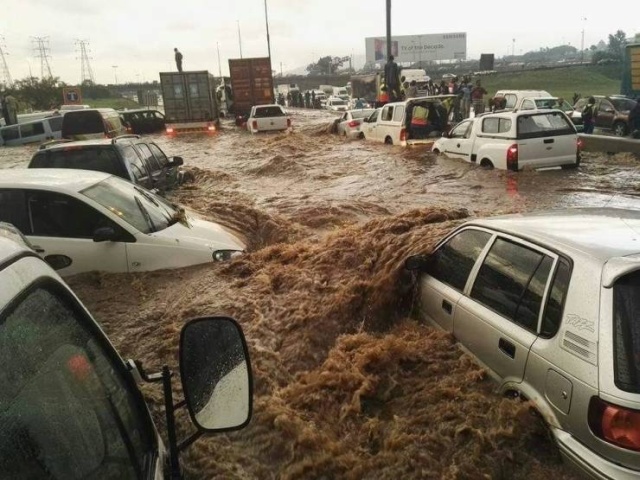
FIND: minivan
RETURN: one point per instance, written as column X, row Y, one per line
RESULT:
column 92, row 123
column 34, row 131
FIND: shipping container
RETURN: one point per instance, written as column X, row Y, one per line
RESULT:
column 631, row 72
column 366, row 86
column 251, row 84
column 189, row 100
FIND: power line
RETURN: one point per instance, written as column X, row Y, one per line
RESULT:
column 85, row 65
column 42, row 52
column 5, row 77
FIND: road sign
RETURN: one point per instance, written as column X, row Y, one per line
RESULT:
column 72, row 96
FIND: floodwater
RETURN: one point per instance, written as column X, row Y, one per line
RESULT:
column 347, row 383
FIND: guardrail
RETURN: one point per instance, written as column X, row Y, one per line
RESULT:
column 610, row 144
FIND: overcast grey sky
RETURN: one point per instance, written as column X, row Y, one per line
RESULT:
column 139, row 35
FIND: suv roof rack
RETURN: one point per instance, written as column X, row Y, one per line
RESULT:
column 54, row 142
column 121, row 137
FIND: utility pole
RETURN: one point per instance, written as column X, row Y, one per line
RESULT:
column 5, row 77
column 266, row 19
column 86, row 72
column 584, row 19
column 513, row 47
column 219, row 64
column 281, row 75
column 42, row 49
column 239, row 38
column 388, row 29
column 115, row 72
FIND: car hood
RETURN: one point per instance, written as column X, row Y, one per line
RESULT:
column 201, row 233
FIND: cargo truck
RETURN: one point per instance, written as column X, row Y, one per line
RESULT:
column 366, row 86
column 252, row 84
column 189, row 102
column 631, row 72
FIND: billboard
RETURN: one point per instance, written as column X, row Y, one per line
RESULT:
column 418, row 48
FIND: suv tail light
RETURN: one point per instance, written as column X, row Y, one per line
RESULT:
column 169, row 130
column 403, row 135
column 617, row 425
column 512, row 157
column 353, row 123
column 254, row 124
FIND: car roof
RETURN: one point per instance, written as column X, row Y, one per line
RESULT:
column 10, row 248
column 267, row 105
column 601, row 233
column 58, row 145
column 53, row 179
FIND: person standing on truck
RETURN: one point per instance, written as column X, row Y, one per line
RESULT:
column 392, row 79
column 477, row 97
column 178, row 56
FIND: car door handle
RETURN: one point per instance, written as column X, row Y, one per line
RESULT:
column 507, row 347
column 447, row 307
column 37, row 248
column 549, row 140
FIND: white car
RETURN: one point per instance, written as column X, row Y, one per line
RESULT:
column 336, row 104
column 513, row 140
column 348, row 125
column 80, row 221
column 268, row 118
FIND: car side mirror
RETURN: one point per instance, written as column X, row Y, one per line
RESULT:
column 418, row 263
column 176, row 161
column 216, row 374
column 104, row 234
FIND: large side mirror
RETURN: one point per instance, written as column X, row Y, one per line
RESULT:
column 216, row 374
column 418, row 263
column 176, row 161
column 105, row 234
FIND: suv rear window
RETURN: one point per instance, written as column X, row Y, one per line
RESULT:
column 267, row 112
column 544, row 125
column 626, row 332
column 79, row 123
column 99, row 159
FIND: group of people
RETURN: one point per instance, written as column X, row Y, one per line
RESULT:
column 295, row 98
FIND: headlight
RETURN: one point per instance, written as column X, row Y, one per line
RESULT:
column 224, row 255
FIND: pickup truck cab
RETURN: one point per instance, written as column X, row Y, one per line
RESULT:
column 268, row 118
column 514, row 98
column 71, row 406
column 514, row 140
column 390, row 124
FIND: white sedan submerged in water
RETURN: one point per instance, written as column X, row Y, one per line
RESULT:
column 82, row 221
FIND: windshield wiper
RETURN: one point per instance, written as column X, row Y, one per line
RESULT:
column 146, row 195
column 145, row 214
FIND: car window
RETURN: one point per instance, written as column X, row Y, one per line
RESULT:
column 452, row 262
column 398, row 113
column 55, row 123
column 387, row 114
column 544, row 125
column 13, row 209
column 529, row 105
column 10, row 133
column 623, row 104
column 66, row 409
column 605, row 104
column 99, row 159
column 460, row 130
column 57, row 215
column 266, row 112
column 496, row 125
column 511, row 281
column 361, row 113
column 79, row 123
column 626, row 332
column 159, row 154
column 555, row 303
column 510, row 99
column 147, row 156
column 138, row 168
column 374, row 116
column 31, row 129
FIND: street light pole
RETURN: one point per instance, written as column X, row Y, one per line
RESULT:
column 115, row 72
column 239, row 38
column 388, row 29
column 584, row 19
column 219, row 64
column 266, row 19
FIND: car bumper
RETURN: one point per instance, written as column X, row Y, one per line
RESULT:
column 589, row 463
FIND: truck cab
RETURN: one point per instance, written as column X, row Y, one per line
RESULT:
column 71, row 406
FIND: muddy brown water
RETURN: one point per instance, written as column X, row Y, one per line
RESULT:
column 348, row 384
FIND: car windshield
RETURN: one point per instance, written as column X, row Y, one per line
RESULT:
column 626, row 332
column 138, row 207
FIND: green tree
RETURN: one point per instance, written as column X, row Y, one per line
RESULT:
column 31, row 92
column 617, row 43
column 325, row 65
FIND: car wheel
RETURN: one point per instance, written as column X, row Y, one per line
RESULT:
column 361, row 136
column 344, row 133
column 570, row 166
column 486, row 163
column 620, row 129
column 388, row 141
column 436, row 152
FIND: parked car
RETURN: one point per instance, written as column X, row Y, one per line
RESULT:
column 130, row 157
column 93, row 221
column 71, row 405
column 612, row 113
column 268, row 118
column 33, row 131
column 336, row 104
column 514, row 98
column 143, row 120
column 390, row 124
column 548, row 303
column 85, row 124
column 536, row 103
column 348, row 125
column 514, row 140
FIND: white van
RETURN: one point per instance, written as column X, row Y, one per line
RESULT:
column 514, row 97
column 34, row 131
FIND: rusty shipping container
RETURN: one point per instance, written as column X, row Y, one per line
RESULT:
column 251, row 83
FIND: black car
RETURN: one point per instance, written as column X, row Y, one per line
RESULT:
column 128, row 156
column 143, row 120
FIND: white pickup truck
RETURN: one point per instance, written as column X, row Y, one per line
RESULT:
column 513, row 140
column 268, row 118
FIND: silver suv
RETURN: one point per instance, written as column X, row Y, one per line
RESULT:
column 549, row 304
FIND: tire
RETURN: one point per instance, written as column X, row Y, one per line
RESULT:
column 344, row 134
column 486, row 164
column 620, row 129
column 436, row 152
column 361, row 136
column 388, row 141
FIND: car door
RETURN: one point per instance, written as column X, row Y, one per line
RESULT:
column 604, row 113
column 546, row 139
column 342, row 123
column 444, row 281
column 497, row 321
column 61, row 229
column 459, row 144
column 385, row 125
column 368, row 127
